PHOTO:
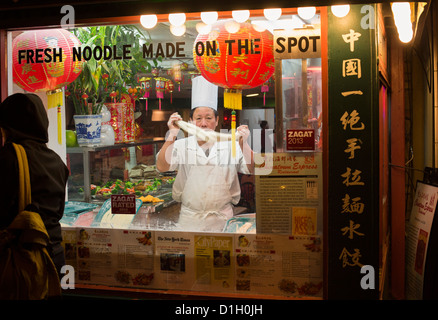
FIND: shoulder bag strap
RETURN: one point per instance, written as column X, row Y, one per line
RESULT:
column 34, row 220
column 24, row 178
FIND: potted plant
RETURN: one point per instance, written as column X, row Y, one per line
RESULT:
column 104, row 80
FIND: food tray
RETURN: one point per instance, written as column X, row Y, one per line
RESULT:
column 72, row 208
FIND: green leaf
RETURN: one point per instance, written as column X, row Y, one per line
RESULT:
column 120, row 72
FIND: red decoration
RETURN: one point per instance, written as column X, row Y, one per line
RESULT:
column 177, row 75
column 170, row 87
column 42, row 61
column 113, row 96
column 122, row 120
column 35, row 75
column 146, row 85
column 155, row 72
column 234, row 61
column 264, row 89
column 160, row 84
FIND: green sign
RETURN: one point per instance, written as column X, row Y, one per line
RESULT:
column 353, row 217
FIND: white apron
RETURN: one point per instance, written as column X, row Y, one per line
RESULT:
column 206, row 200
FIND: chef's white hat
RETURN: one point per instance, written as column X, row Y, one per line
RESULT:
column 204, row 93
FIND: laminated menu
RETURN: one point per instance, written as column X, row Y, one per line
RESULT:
column 247, row 264
column 213, row 262
column 278, row 265
column 174, row 260
column 288, row 198
column 115, row 257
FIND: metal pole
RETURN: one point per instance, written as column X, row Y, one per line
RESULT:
column 435, row 88
column 279, row 105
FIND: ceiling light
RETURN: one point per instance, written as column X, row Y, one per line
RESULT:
column 177, row 19
column 406, row 35
column 402, row 20
column 209, row 17
column 259, row 25
column 240, row 15
column 272, row 14
column 296, row 22
column 178, row 30
column 401, row 12
column 340, row 11
column 306, row 13
column 203, row 28
column 232, row 26
column 148, row 21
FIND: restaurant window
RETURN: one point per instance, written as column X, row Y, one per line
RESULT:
column 136, row 78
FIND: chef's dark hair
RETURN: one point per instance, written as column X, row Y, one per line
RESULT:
column 216, row 114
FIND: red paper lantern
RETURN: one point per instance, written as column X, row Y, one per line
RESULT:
column 31, row 52
column 170, row 86
column 43, row 62
column 234, row 61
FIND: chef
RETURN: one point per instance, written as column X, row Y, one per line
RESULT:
column 207, row 183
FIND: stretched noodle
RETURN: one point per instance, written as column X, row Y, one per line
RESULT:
column 205, row 135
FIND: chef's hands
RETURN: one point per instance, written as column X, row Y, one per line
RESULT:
column 244, row 133
column 165, row 154
column 172, row 119
column 171, row 124
column 247, row 152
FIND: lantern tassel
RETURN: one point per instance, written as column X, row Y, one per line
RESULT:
column 146, row 96
column 59, row 125
column 54, row 99
column 233, row 133
column 160, row 95
column 265, row 89
column 233, row 99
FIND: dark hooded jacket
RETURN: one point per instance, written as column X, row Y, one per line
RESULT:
column 25, row 120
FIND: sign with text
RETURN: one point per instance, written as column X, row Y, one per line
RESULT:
column 297, row 44
column 304, row 221
column 300, row 139
column 123, row 204
column 353, row 193
column 419, row 233
column 289, row 198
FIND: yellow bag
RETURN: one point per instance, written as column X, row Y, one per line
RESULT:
column 26, row 269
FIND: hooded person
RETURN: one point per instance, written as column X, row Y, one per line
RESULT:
column 207, row 183
column 23, row 120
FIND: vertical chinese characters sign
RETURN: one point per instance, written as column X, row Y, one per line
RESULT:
column 353, row 229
